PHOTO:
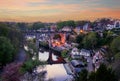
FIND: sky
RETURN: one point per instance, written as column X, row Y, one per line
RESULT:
column 57, row 10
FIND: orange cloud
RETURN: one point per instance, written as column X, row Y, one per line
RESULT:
column 87, row 14
column 17, row 10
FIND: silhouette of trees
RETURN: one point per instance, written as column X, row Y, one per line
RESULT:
column 115, row 45
column 90, row 40
column 102, row 74
column 6, row 51
column 69, row 23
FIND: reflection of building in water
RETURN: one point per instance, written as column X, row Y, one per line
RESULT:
column 59, row 41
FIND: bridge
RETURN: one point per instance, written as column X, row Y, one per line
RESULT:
column 48, row 34
column 42, row 34
column 32, row 32
column 58, row 61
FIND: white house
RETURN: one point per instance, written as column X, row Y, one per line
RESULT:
column 84, row 52
column 75, row 53
column 67, row 29
column 113, row 24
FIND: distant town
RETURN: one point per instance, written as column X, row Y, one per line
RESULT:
column 62, row 51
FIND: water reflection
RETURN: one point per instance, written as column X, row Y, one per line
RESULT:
column 54, row 71
column 43, row 56
column 54, row 57
column 51, row 57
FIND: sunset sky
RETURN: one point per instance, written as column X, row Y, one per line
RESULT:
column 57, row 10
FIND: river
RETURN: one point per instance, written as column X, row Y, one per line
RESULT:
column 54, row 71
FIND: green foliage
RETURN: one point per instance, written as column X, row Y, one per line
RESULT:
column 102, row 74
column 79, row 40
column 15, row 36
column 38, row 25
column 109, row 37
column 56, row 36
column 105, row 74
column 44, row 44
column 117, row 56
column 81, row 23
column 82, row 76
column 22, row 26
column 4, row 30
column 64, row 53
column 6, row 51
column 30, row 65
column 32, row 45
column 69, row 23
column 92, row 76
column 109, row 33
column 90, row 40
column 115, row 45
column 116, row 67
column 101, row 42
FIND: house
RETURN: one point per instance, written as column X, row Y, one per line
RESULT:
column 76, row 66
column 113, row 24
column 66, row 29
column 84, row 52
column 117, row 24
column 59, row 41
column 75, row 53
column 110, row 25
column 87, row 27
column 97, row 59
column 78, row 29
column 53, row 27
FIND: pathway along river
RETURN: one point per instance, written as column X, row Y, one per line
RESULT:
column 55, row 68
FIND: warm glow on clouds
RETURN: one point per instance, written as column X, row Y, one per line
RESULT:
column 55, row 10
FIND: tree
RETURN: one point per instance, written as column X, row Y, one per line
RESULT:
column 15, row 36
column 69, row 23
column 117, row 56
column 79, row 40
column 92, row 76
column 29, row 65
column 90, row 40
column 38, row 25
column 115, row 45
column 6, row 51
column 57, row 36
column 116, row 68
column 64, row 53
column 82, row 76
column 22, row 26
column 3, row 30
column 109, row 37
column 103, row 74
column 81, row 23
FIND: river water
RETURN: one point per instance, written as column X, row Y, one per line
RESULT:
column 54, row 71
